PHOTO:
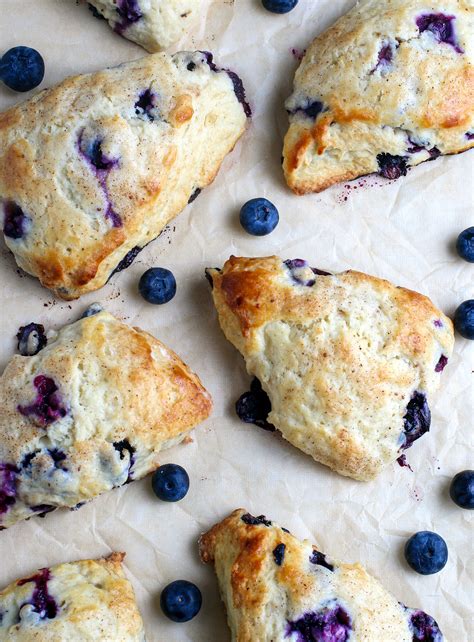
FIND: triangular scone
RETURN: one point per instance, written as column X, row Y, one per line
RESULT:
column 93, row 169
column 153, row 24
column 88, row 413
column 277, row 588
column 389, row 86
column 86, row 600
column 349, row 361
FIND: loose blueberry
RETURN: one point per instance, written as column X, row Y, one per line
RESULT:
column 426, row 552
column 22, row 68
column 157, row 285
column 253, row 407
column 464, row 319
column 180, row 601
column 279, row 6
column 31, row 339
column 170, row 483
column 259, row 217
column 465, row 245
column 461, row 489
column 93, row 309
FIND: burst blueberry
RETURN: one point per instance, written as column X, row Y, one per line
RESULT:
column 31, row 339
column 15, row 223
column 259, row 217
column 279, row 6
column 465, row 244
column 417, row 419
column 41, row 600
column 279, row 554
column 253, row 407
column 461, row 489
column 426, row 552
column 424, row 627
column 392, row 167
column 464, row 319
column 330, row 623
column 92, row 310
column 22, row 68
column 157, row 286
column 181, row 601
column 170, row 483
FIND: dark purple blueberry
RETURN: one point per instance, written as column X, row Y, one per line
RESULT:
column 145, row 105
column 42, row 602
column 461, row 489
column 194, row 195
column 239, row 88
column 295, row 265
column 47, row 406
column 465, row 244
column 417, row 419
column 424, row 627
column 253, row 407
column 31, row 339
column 128, row 259
column 58, row 456
column 122, row 447
column 92, row 310
column 8, row 473
column 209, row 60
column 28, row 458
column 279, row 554
column 191, row 66
column 470, row 135
column 386, row 55
column 16, row 223
column 319, row 558
column 170, row 483
column 441, row 26
column 441, row 365
column 129, row 12
column 426, row 552
column 392, row 167
column 331, row 623
column 250, row 520
column 181, row 601
column 42, row 510
column 97, row 158
column 95, row 12
column 311, row 109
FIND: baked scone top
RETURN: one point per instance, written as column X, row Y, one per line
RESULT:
column 349, row 361
column 78, row 601
column 389, row 85
column 90, row 412
column 93, row 169
column 277, row 588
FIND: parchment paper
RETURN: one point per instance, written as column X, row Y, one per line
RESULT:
column 403, row 231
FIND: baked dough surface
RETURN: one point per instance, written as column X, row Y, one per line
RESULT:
column 349, row 361
column 90, row 412
column 388, row 86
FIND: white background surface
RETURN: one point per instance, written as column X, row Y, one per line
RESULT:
column 404, row 231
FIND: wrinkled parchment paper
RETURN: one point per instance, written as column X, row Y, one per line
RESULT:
column 403, row 231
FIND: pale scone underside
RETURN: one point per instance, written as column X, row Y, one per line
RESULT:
column 349, row 361
column 90, row 412
column 389, row 86
column 277, row 588
column 86, row 601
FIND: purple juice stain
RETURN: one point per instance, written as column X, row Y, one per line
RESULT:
column 442, row 363
column 330, row 623
column 101, row 165
column 319, row 559
column 145, row 104
column 417, row 419
column 16, row 223
column 127, row 260
column 129, row 12
column 239, row 89
column 392, row 167
column 438, row 323
column 295, row 265
column 402, row 461
column 31, row 339
column 125, row 446
column 253, row 407
column 279, row 554
column 47, row 407
column 423, row 627
column 8, row 473
column 42, row 602
column 250, row 520
column 470, row 135
column 441, row 26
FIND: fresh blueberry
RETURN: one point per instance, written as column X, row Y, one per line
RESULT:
column 22, row 68
column 426, row 552
column 465, row 245
column 259, row 217
column 181, row 600
column 279, row 6
column 462, row 489
column 464, row 319
column 157, row 285
column 170, row 482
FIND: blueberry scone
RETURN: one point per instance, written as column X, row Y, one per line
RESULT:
column 90, row 600
column 348, row 361
column 93, row 169
column 277, row 588
column 90, row 412
column 153, row 24
column 389, row 86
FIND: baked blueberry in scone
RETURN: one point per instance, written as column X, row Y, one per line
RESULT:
column 86, row 600
column 388, row 86
column 90, row 412
column 153, row 24
column 349, row 361
column 93, row 169
column 277, row 588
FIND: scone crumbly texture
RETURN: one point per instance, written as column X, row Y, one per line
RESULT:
column 153, row 24
column 90, row 412
column 86, row 601
column 93, row 169
column 277, row 588
column 388, row 86
column 349, row 361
